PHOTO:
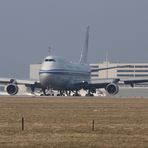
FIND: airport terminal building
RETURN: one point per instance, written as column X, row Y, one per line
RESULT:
column 135, row 70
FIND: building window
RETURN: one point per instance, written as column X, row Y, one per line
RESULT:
column 141, row 75
column 141, row 70
column 141, row 66
column 125, row 75
column 125, row 70
column 129, row 66
column 94, row 66
column 94, row 75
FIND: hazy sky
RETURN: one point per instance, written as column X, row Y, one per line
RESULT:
column 28, row 27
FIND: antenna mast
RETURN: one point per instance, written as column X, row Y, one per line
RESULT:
column 49, row 49
column 107, row 64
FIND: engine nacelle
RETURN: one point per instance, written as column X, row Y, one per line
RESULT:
column 112, row 88
column 12, row 89
column 13, row 81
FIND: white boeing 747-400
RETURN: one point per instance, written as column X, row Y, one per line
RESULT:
column 64, row 76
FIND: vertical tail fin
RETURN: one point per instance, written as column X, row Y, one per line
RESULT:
column 84, row 52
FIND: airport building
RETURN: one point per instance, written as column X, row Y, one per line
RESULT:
column 133, row 70
column 34, row 71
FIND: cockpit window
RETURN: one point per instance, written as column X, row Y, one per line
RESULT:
column 49, row 60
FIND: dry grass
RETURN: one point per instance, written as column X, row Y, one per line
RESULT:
column 67, row 122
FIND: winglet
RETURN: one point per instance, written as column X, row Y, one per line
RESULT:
column 84, row 52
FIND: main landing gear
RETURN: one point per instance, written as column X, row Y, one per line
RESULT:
column 47, row 92
column 68, row 93
column 89, row 94
column 64, row 93
column 76, row 94
column 61, row 93
column 50, row 92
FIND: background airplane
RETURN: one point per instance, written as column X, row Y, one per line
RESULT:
column 67, row 77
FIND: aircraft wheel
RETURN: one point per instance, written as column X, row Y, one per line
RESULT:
column 76, row 95
column 88, row 95
column 91, row 95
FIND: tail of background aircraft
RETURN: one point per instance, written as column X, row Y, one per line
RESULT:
column 84, row 52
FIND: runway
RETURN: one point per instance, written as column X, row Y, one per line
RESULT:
column 67, row 122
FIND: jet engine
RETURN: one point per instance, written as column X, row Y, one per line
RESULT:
column 12, row 88
column 112, row 88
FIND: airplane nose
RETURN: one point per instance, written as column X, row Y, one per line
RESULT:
column 45, row 79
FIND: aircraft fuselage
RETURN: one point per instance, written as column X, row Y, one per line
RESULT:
column 57, row 73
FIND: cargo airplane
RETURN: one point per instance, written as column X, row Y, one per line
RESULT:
column 66, row 77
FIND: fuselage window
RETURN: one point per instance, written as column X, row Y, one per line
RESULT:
column 49, row 60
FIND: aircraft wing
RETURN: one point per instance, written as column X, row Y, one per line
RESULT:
column 101, row 83
column 21, row 82
column 12, row 84
column 106, row 68
column 111, row 85
column 134, row 81
column 120, row 80
column 93, row 85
